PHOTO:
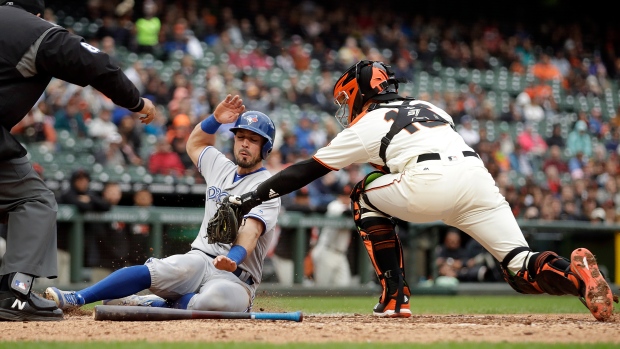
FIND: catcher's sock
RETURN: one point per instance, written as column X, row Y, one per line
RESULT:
column 119, row 284
column 182, row 302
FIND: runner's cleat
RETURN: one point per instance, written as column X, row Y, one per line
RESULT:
column 150, row 300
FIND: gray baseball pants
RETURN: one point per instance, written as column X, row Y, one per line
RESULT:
column 29, row 209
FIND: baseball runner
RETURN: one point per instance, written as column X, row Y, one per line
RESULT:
column 211, row 276
column 427, row 173
column 32, row 52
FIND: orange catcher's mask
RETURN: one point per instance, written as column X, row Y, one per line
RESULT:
column 361, row 82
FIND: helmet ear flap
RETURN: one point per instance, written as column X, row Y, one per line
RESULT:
column 358, row 104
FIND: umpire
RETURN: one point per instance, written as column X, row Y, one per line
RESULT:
column 32, row 52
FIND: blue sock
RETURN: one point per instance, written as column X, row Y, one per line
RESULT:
column 119, row 284
column 182, row 302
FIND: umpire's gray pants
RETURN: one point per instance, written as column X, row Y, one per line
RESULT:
column 29, row 208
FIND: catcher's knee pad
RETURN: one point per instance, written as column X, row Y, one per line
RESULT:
column 543, row 272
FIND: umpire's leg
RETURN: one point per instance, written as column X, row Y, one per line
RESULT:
column 29, row 209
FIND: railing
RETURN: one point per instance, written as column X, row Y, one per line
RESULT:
column 563, row 232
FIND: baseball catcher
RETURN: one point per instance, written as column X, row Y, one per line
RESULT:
column 426, row 173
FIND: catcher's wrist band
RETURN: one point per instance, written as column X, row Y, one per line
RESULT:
column 237, row 253
column 210, row 125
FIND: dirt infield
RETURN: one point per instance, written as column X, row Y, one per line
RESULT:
column 545, row 328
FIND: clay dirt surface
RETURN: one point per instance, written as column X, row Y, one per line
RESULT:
column 80, row 326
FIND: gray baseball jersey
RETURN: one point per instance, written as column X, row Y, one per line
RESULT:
column 220, row 174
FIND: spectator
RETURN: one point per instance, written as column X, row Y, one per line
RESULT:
column 329, row 255
column 530, row 141
column 544, row 70
column 521, row 162
column 451, row 257
column 290, row 149
column 556, row 137
column 579, row 140
column 102, row 126
column 283, row 253
column 147, row 29
column 85, row 200
column 108, row 249
column 164, row 161
column 598, row 215
column 140, row 232
column 512, row 114
column 481, row 265
column 71, row 119
column 115, row 151
column 470, row 136
column 37, row 127
column 554, row 158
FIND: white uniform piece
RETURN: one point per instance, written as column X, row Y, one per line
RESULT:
column 194, row 272
column 329, row 256
column 457, row 190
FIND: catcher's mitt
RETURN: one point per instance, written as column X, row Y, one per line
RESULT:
column 224, row 225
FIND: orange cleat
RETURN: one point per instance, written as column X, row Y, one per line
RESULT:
column 595, row 292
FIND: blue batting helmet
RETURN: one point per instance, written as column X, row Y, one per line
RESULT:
column 259, row 123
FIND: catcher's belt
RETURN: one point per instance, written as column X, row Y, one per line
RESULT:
column 243, row 275
column 436, row 156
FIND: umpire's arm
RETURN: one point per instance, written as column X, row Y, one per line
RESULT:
column 68, row 57
column 247, row 238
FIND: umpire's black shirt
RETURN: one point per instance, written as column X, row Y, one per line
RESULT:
column 32, row 51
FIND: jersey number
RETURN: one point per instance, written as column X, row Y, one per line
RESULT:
column 419, row 112
column 90, row 47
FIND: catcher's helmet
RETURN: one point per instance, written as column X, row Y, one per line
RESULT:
column 362, row 82
column 259, row 123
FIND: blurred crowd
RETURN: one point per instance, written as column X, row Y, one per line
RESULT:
column 215, row 48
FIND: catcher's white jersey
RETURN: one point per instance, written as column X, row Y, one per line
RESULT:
column 360, row 143
column 219, row 173
column 453, row 187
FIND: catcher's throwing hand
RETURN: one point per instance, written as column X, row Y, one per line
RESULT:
column 148, row 110
column 224, row 263
column 224, row 225
column 229, row 109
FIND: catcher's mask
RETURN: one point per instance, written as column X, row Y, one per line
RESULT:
column 33, row 6
column 362, row 82
column 259, row 123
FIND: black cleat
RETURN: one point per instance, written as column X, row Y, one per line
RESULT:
column 33, row 308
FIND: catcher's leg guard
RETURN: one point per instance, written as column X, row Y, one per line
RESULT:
column 543, row 272
column 385, row 251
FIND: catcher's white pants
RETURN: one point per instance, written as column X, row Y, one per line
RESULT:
column 194, row 272
column 460, row 192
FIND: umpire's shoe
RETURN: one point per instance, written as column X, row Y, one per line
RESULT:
column 30, row 308
column 394, row 305
column 594, row 291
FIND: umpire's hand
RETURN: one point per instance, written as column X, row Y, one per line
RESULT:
column 225, row 263
column 148, row 110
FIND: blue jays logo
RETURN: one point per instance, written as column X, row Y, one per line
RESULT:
column 251, row 118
